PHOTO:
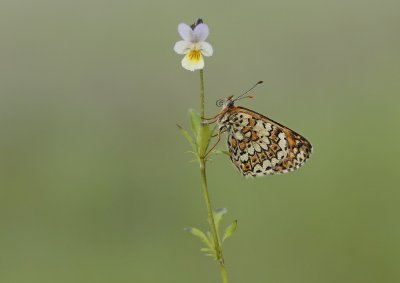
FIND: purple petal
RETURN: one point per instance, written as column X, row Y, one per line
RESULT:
column 185, row 32
column 201, row 32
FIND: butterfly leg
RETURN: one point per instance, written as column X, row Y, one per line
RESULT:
column 219, row 132
column 213, row 119
column 218, row 140
column 209, row 121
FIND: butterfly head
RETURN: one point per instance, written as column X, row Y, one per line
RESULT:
column 229, row 101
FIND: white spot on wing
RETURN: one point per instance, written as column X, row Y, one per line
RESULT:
column 266, row 164
column 250, row 150
column 238, row 135
column 274, row 161
column 244, row 157
column 281, row 154
column 264, row 145
column 256, row 147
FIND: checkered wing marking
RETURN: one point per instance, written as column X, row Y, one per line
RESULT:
column 259, row 146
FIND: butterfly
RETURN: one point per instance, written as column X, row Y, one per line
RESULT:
column 258, row 145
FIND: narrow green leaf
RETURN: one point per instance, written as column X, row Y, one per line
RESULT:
column 195, row 120
column 218, row 215
column 203, row 139
column 210, row 239
column 208, row 251
column 189, row 138
column 213, row 255
column 199, row 234
column 230, row 230
column 201, row 132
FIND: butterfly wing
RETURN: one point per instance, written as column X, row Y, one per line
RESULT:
column 259, row 146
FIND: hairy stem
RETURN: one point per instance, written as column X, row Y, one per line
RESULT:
column 211, row 221
column 201, row 93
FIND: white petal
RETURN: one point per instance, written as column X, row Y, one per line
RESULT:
column 185, row 32
column 200, row 32
column 206, row 48
column 182, row 47
column 192, row 65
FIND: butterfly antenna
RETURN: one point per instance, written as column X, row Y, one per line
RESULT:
column 246, row 92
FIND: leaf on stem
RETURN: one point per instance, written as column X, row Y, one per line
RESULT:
column 188, row 138
column 195, row 120
column 218, row 215
column 201, row 132
column 203, row 139
column 199, row 234
column 229, row 230
column 209, row 252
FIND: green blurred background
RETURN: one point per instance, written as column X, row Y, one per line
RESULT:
column 94, row 182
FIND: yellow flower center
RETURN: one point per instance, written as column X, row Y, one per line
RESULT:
column 194, row 55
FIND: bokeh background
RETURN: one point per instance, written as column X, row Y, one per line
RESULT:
column 95, row 185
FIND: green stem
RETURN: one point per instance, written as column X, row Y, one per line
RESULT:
column 224, row 275
column 211, row 221
column 201, row 94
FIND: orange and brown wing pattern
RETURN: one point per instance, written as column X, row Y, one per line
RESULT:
column 259, row 146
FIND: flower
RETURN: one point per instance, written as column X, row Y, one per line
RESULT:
column 193, row 45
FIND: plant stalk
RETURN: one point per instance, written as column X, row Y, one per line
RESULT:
column 201, row 94
column 211, row 221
